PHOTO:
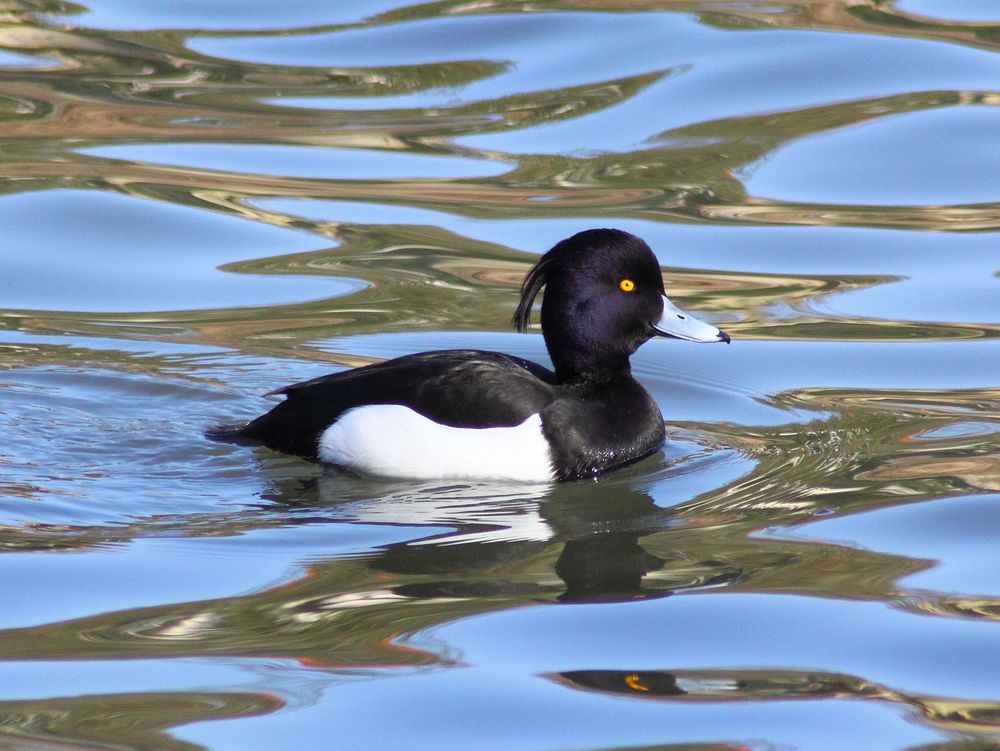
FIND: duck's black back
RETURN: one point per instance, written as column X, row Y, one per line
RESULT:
column 459, row 388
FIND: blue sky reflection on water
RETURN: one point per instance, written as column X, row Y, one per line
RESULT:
column 219, row 14
column 895, row 161
column 179, row 250
column 297, row 161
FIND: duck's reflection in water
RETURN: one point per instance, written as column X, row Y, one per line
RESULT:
column 502, row 541
column 606, row 567
column 715, row 686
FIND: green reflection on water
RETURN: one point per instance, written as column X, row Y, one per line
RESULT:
column 122, row 720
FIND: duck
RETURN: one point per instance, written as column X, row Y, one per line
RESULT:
column 480, row 415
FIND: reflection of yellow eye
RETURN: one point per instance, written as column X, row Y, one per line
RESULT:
column 634, row 682
column 626, row 285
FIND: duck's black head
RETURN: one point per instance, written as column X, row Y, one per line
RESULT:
column 603, row 299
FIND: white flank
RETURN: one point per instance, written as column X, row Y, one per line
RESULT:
column 390, row 440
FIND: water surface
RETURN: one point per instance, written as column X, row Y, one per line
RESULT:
column 202, row 202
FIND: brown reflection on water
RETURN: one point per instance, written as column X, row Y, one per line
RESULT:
column 863, row 454
column 858, row 16
column 146, row 86
column 137, row 720
column 674, row 183
column 427, row 278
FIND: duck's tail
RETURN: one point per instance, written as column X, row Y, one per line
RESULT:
column 231, row 433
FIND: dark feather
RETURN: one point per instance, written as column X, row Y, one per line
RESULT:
column 459, row 388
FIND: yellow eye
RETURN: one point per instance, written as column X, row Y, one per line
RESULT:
column 626, row 285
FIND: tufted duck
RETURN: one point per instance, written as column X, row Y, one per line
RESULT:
column 486, row 415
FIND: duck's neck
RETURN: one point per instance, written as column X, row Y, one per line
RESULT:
column 590, row 372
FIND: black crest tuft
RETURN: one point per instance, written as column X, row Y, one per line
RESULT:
column 530, row 288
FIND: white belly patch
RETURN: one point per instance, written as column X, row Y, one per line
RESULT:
column 390, row 440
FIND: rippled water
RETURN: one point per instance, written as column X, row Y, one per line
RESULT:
column 202, row 201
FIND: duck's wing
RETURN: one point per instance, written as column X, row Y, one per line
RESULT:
column 459, row 388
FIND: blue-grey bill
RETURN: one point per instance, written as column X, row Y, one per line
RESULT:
column 680, row 325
